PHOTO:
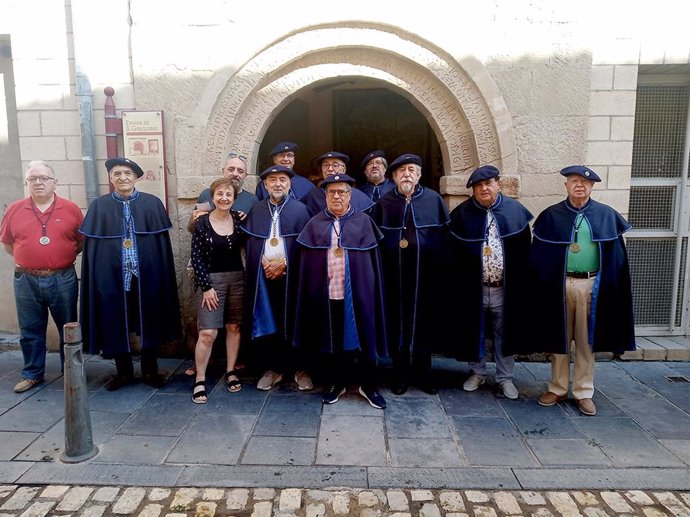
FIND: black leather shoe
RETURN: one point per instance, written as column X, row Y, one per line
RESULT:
column 399, row 388
column 154, row 380
column 428, row 387
column 118, row 382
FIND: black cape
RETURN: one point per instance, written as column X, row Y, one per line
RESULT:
column 104, row 318
column 468, row 231
column 611, row 326
column 316, row 201
column 363, row 304
column 272, row 310
column 413, row 276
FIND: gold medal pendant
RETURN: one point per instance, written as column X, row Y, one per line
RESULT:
column 44, row 241
column 127, row 243
column 273, row 241
column 339, row 252
column 575, row 247
column 403, row 243
column 487, row 251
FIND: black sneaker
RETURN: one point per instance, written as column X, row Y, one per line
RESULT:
column 332, row 395
column 373, row 397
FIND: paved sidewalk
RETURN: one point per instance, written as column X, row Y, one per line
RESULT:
column 640, row 438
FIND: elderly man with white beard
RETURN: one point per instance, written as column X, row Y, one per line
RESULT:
column 272, row 227
column 414, row 221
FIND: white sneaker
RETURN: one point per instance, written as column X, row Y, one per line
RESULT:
column 269, row 379
column 509, row 390
column 473, row 382
column 303, row 381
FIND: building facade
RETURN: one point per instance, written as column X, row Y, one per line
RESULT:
column 527, row 86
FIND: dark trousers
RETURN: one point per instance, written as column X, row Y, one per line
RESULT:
column 341, row 366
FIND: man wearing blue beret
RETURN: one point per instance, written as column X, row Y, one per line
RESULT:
column 283, row 154
column 374, row 165
column 491, row 242
column 333, row 163
column 581, row 287
column 414, row 250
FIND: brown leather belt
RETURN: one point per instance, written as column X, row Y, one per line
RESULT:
column 497, row 283
column 40, row 272
column 590, row 274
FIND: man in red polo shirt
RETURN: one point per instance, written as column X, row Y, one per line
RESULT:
column 41, row 233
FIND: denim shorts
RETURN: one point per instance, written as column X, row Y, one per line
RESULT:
column 229, row 286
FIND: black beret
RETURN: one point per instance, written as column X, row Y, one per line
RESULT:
column 274, row 169
column 337, row 178
column 581, row 170
column 403, row 159
column 371, row 156
column 482, row 173
column 333, row 154
column 284, row 147
column 119, row 160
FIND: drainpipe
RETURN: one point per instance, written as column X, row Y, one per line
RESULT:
column 88, row 145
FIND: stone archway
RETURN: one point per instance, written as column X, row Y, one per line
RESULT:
column 458, row 97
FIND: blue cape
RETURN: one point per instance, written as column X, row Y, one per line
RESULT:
column 611, row 326
column 468, row 230
column 103, row 314
column 363, row 304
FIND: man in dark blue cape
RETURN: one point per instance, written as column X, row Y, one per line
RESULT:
column 580, row 287
column 414, row 221
column 331, row 163
column 340, row 311
column 491, row 242
column 283, row 154
column 272, row 227
column 374, row 166
column 128, row 280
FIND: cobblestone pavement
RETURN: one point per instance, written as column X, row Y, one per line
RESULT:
column 87, row 501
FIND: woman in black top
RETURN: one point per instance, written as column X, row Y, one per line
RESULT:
column 217, row 249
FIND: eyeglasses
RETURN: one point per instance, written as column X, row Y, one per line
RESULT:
column 42, row 179
column 331, row 165
column 341, row 193
column 235, row 155
column 288, row 154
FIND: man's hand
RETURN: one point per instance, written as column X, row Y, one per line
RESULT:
column 274, row 269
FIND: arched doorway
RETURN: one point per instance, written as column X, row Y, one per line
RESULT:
column 363, row 116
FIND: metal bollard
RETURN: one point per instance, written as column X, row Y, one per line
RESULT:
column 78, row 438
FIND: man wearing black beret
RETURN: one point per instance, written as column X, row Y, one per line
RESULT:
column 491, row 241
column 333, row 163
column 283, row 154
column 414, row 250
column 128, row 283
column 374, row 166
column 581, row 287
column 272, row 228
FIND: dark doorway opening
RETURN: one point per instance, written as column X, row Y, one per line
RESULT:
column 354, row 118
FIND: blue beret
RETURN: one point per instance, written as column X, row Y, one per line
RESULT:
column 333, row 154
column 284, row 147
column 371, row 156
column 119, row 160
column 274, row 169
column 482, row 173
column 581, row 170
column 404, row 159
column 337, row 178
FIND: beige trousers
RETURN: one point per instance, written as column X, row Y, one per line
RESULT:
column 578, row 298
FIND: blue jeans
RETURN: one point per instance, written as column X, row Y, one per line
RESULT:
column 35, row 296
column 492, row 305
